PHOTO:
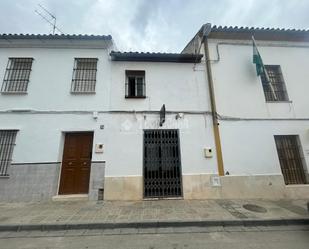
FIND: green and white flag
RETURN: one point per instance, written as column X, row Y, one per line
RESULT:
column 257, row 59
column 260, row 68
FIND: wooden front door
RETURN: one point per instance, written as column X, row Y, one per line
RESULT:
column 76, row 163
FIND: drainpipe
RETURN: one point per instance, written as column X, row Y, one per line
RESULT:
column 206, row 31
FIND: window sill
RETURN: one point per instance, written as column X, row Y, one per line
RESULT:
column 282, row 101
column 297, row 185
column 14, row 93
column 79, row 93
column 5, row 177
column 135, row 97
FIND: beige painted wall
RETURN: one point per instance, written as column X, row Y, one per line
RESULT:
column 123, row 188
column 200, row 187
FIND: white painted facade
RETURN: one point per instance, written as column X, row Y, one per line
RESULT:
column 247, row 122
column 50, row 109
column 181, row 87
column 47, row 111
column 239, row 94
column 49, row 102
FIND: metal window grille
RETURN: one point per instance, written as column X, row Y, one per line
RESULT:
column 277, row 83
column 135, row 84
column 17, row 75
column 84, row 75
column 7, row 142
column 291, row 159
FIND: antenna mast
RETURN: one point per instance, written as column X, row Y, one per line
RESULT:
column 49, row 18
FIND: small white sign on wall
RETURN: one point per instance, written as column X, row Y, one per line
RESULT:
column 215, row 181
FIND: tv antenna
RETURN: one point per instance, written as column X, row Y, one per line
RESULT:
column 49, row 18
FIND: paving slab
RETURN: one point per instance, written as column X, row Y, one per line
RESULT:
column 147, row 230
column 93, row 232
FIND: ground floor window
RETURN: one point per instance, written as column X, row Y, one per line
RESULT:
column 7, row 142
column 291, row 159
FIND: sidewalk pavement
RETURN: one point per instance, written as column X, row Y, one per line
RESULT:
column 66, row 215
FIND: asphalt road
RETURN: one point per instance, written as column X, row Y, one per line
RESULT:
column 180, row 238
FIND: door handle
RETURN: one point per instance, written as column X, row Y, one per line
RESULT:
column 70, row 163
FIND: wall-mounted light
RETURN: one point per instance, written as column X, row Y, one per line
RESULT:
column 208, row 152
column 99, row 148
column 179, row 115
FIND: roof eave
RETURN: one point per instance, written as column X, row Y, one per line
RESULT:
column 55, row 41
column 156, row 57
column 245, row 33
column 266, row 35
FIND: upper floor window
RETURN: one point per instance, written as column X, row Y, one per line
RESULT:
column 274, row 87
column 17, row 75
column 135, row 84
column 84, row 75
column 7, row 142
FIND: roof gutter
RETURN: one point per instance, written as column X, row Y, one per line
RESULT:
column 205, row 31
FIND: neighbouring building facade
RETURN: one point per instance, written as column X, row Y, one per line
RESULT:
column 78, row 119
column 49, row 92
column 263, row 123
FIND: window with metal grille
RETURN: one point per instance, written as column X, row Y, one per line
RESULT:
column 135, row 84
column 291, row 159
column 17, row 75
column 275, row 89
column 7, row 142
column 84, row 75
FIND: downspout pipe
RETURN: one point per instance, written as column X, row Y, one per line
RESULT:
column 206, row 29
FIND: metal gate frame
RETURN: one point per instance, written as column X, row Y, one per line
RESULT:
column 180, row 167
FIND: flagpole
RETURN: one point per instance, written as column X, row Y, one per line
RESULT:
column 253, row 40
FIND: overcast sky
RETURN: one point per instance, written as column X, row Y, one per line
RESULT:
column 151, row 25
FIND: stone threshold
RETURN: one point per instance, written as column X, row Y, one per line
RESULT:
column 162, row 198
column 75, row 197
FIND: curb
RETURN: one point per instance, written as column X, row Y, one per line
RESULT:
column 158, row 224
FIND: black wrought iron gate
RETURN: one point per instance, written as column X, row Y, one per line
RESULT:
column 162, row 166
